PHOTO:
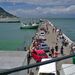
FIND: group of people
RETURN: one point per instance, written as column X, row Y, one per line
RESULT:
column 72, row 47
column 64, row 41
column 54, row 51
column 60, row 36
column 36, row 45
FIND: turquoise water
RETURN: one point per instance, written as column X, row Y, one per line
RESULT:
column 67, row 25
column 12, row 31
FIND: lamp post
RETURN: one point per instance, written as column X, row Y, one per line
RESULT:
column 28, row 40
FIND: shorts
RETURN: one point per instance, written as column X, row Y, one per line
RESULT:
column 53, row 53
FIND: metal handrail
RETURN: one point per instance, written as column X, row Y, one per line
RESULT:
column 34, row 65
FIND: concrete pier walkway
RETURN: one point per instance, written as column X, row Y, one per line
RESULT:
column 51, row 42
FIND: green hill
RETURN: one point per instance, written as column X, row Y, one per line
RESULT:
column 4, row 14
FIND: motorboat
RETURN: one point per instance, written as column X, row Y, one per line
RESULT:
column 40, row 20
column 25, row 26
column 32, row 23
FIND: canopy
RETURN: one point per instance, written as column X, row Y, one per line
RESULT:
column 10, row 45
column 48, row 68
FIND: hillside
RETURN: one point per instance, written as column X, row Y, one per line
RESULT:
column 4, row 14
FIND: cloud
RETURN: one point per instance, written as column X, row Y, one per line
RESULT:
column 42, row 2
column 44, row 11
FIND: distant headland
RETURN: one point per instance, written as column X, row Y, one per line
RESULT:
column 5, row 14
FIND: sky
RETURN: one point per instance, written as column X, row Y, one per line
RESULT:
column 39, row 8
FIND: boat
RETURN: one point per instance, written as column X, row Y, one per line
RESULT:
column 25, row 26
column 32, row 23
column 40, row 20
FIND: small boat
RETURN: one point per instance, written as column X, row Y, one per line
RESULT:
column 32, row 23
column 33, row 26
column 40, row 20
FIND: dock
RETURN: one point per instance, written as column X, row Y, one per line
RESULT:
column 51, row 42
column 9, row 21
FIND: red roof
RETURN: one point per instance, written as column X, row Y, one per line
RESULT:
column 40, row 51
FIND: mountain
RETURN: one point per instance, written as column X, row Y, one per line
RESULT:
column 4, row 14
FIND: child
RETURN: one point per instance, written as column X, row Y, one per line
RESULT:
column 50, row 54
column 25, row 49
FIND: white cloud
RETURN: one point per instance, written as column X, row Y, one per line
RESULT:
column 38, row 8
column 44, row 11
column 42, row 2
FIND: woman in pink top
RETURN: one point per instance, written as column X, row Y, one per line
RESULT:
column 56, row 53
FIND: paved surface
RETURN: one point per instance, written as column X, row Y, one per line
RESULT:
column 51, row 42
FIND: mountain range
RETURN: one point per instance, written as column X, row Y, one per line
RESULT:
column 5, row 14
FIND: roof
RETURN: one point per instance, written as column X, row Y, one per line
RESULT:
column 10, row 45
column 12, row 59
column 48, row 68
column 39, row 51
column 68, row 69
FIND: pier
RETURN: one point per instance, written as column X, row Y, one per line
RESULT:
column 27, row 64
column 9, row 21
column 51, row 42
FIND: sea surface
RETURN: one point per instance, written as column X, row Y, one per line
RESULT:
column 12, row 31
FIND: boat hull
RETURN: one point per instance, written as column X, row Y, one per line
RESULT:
column 29, row 27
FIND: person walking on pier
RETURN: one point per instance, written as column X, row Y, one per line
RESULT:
column 71, row 51
column 33, row 48
column 50, row 54
column 36, row 35
column 57, row 38
column 56, row 47
column 52, row 50
column 63, row 40
column 56, row 53
column 61, row 50
column 53, row 29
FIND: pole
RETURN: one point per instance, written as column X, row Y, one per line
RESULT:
column 28, row 42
